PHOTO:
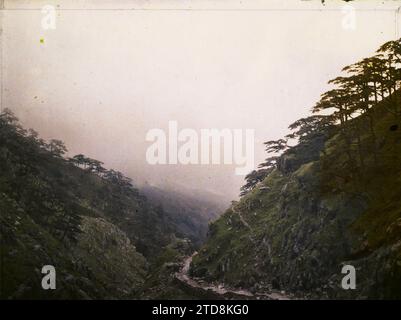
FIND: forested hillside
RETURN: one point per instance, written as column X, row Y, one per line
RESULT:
column 189, row 212
column 102, row 236
column 327, row 195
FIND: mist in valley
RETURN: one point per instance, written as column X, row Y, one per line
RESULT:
column 102, row 79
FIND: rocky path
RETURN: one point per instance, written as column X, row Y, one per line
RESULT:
column 246, row 224
column 220, row 289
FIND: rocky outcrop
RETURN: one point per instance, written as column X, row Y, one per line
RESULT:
column 110, row 257
column 102, row 263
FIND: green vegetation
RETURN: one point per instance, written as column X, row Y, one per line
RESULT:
column 103, row 237
column 327, row 195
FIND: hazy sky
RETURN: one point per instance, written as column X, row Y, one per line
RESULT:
column 103, row 78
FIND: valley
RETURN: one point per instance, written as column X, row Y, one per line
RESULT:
column 327, row 196
column 220, row 291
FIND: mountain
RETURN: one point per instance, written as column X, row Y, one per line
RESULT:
column 188, row 211
column 332, row 199
column 327, row 197
column 98, row 231
column 296, row 229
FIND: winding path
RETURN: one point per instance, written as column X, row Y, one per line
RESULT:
column 246, row 224
column 220, row 289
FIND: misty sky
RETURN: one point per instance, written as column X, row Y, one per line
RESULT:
column 103, row 78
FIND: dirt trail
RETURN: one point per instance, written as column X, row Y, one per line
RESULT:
column 220, row 289
column 246, row 224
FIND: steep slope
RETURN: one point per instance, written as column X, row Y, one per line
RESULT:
column 101, row 264
column 98, row 231
column 312, row 215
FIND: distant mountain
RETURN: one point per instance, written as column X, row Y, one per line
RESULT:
column 189, row 211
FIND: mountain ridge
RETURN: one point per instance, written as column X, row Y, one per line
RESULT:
column 330, row 200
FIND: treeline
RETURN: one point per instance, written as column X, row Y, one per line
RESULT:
column 35, row 174
column 349, row 110
column 57, row 149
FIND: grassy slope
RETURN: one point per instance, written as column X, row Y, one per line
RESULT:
column 309, row 223
column 104, row 259
column 87, row 269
